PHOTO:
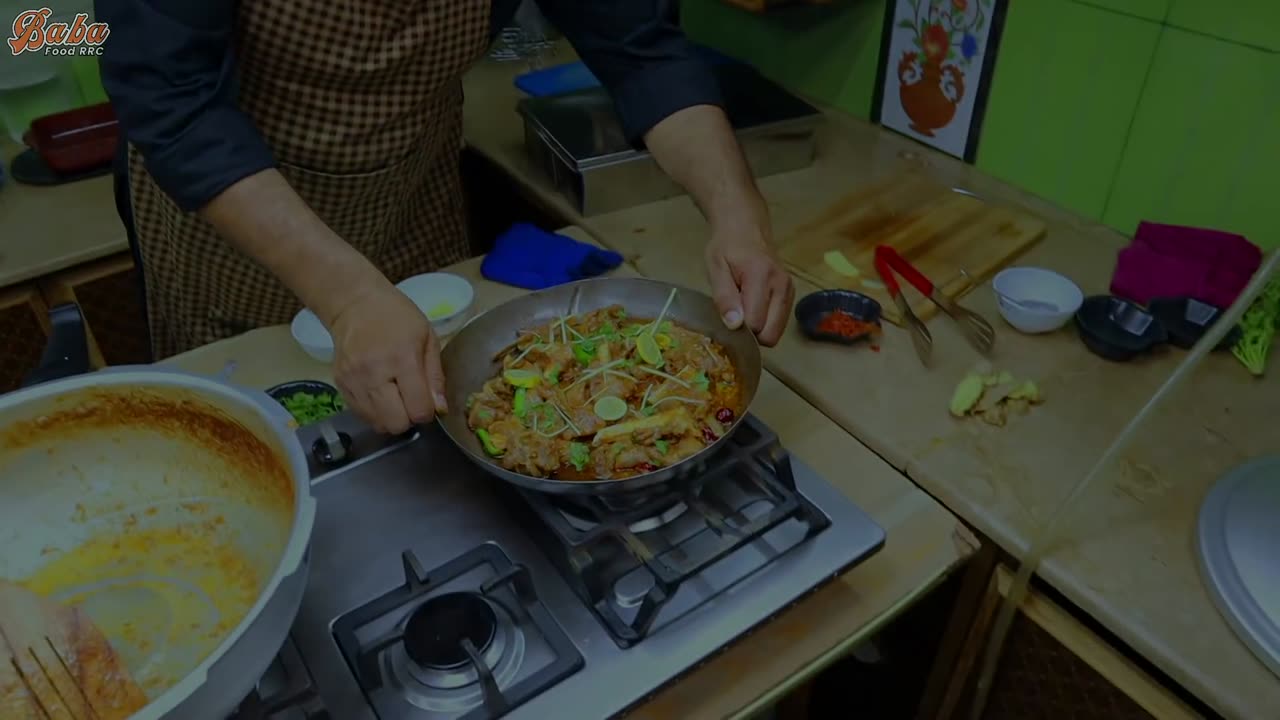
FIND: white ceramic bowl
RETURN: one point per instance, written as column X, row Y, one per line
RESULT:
column 312, row 336
column 1033, row 286
column 444, row 298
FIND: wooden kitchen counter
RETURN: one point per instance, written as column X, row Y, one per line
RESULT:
column 47, row 229
column 1128, row 554
column 924, row 543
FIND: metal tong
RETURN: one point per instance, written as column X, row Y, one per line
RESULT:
column 973, row 326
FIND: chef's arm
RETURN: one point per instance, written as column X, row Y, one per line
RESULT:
column 263, row 217
column 668, row 97
column 696, row 146
column 169, row 70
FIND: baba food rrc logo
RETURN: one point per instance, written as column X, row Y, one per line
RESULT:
column 32, row 32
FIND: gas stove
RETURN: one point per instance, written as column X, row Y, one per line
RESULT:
column 438, row 591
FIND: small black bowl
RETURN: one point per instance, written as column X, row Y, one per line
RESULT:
column 310, row 387
column 1110, row 338
column 1188, row 319
column 283, row 391
column 814, row 307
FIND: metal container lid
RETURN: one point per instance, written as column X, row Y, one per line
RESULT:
column 582, row 127
column 1238, row 536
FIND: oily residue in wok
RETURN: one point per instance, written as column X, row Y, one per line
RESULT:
column 177, row 414
column 169, row 559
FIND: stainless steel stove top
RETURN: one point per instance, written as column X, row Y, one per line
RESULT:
column 436, row 591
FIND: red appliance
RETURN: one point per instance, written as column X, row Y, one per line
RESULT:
column 77, row 140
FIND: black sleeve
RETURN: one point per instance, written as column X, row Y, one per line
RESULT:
column 638, row 51
column 168, row 69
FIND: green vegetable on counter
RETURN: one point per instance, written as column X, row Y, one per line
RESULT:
column 1258, row 329
column 579, row 455
column 308, row 407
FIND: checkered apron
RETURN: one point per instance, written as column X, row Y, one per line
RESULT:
column 362, row 103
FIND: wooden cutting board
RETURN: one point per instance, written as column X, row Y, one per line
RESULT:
column 56, row 664
column 935, row 228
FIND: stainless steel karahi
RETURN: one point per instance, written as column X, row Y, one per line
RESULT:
column 470, row 359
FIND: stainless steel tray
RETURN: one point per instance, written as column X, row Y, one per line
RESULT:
column 576, row 139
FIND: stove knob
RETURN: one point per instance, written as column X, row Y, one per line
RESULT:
column 331, row 449
column 631, row 589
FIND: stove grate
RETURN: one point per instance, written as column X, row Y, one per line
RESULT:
column 419, row 586
column 746, row 491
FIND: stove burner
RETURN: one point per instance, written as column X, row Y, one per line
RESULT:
column 582, row 518
column 436, row 632
column 435, row 648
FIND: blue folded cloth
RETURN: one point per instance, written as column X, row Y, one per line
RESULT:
column 530, row 258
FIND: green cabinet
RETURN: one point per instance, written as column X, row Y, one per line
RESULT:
column 1248, row 22
column 1064, row 91
column 1204, row 145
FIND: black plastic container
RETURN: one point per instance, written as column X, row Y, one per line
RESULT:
column 1187, row 320
column 310, row 387
column 814, row 307
column 1107, row 327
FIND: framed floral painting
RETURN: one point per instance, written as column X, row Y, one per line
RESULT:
column 935, row 67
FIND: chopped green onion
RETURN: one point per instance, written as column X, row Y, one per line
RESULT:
column 487, row 441
column 307, row 407
column 579, row 455
column 701, row 382
column 552, row 375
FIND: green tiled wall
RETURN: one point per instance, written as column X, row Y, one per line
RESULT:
column 1122, row 110
column 1067, row 82
column 829, row 53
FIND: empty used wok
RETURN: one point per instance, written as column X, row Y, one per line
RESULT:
column 470, row 358
column 173, row 509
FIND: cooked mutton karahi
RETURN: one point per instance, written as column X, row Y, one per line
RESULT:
column 602, row 395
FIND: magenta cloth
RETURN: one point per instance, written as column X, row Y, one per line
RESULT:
column 1174, row 261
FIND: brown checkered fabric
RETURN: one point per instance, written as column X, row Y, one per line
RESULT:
column 362, row 104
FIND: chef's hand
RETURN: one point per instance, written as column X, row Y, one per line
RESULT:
column 749, row 284
column 387, row 361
